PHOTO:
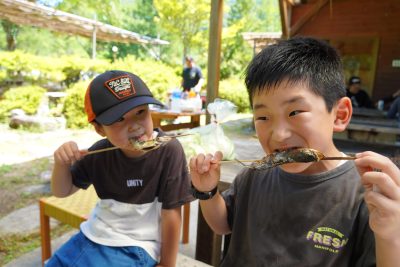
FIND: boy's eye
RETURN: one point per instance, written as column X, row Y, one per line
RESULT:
column 141, row 111
column 261, row 118
column 294, row 112
column 120, row 119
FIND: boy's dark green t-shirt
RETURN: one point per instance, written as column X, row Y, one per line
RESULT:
column 282, row 219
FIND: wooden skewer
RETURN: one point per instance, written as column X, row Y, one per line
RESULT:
column 114, row 147
column 253, row 160
column 338, row 158
column 238, row 160
column 101, row 150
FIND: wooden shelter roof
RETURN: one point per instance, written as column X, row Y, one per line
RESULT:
column 261, row 39
column 28, row 13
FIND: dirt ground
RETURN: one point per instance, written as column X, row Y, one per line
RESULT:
column 17, row 146
column 24, row 159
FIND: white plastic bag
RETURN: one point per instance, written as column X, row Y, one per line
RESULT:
column 211, row 138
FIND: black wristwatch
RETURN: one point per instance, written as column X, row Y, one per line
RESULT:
column 204, row 195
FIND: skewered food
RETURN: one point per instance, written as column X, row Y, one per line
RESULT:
column 150, row 144
column 291, row 156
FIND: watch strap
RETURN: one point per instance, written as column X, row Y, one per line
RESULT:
column 204, row 195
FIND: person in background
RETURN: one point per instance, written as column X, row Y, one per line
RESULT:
column 323, row 213
column 192, row 78
column 137, row 220
column 394, row 109
column 388, row 100
column 359, row 98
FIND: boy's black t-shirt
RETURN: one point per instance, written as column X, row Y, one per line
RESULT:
column 282, row 219
column 160, row 173
column 132, row 192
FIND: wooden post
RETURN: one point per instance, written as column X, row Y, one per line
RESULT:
column 214, row 51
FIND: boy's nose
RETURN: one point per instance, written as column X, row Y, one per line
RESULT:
column 280, row 132
column 134, row 127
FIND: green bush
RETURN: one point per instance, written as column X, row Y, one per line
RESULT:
column 18, row 66
column 75, row 68
column 73, row 110
column 159, row 77
column 234, row 90
column 26, row 98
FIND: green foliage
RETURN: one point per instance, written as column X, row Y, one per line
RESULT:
column 74, row 106
column 234, row 90
column 186, row 20
column 4, row 168
column 236, row 54
column 19, row 66
column 159, row 77
column 74, row 68
column 26, row 98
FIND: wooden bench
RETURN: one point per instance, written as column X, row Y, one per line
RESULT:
column 73, row 210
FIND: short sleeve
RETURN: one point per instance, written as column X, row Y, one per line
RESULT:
column 80, row 177
column 175, row 189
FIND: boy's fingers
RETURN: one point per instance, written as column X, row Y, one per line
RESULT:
column 83, row 152
column 386, row 185
column 367, row 161
column 196, row 163
column 377, row 201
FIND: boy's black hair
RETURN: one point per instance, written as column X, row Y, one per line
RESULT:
column 298, row 60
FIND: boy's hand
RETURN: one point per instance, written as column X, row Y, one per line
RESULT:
column 68, row 153
column 381, row 178
column 205, row 171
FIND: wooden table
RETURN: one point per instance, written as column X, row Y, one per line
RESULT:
column 159, row 115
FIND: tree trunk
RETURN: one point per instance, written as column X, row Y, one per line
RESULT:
column 11, row 31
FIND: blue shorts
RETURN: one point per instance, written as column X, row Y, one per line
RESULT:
column 80, row 251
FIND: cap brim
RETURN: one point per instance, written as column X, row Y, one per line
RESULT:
column 115, row 113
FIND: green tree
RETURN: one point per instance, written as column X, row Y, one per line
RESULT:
column 245, row 16
column 11, row 32
column 186, row 21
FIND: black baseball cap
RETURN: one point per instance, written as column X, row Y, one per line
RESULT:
column 113, row 93
column 354, row 80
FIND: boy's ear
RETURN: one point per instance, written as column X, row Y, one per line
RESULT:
column 343, row 111
column 99, row 128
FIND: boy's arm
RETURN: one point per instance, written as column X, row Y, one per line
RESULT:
column 170, row 234
column 215, row 214
column 61, row 178
column 205, row 173
column 381, row 178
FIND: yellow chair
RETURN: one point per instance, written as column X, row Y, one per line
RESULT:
column 73, row 210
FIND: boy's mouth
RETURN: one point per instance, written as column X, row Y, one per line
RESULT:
column 286, row 149
column 141, row 137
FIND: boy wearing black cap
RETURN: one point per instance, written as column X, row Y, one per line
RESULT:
column 137, row 219
column 359, row 98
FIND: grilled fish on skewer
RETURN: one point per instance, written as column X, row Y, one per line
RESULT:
column 152, row 143
column 291, row 156
column 142, row 145
column 149, row 144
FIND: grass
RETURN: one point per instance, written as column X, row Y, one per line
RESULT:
column 14, row 178
column 16, row 245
